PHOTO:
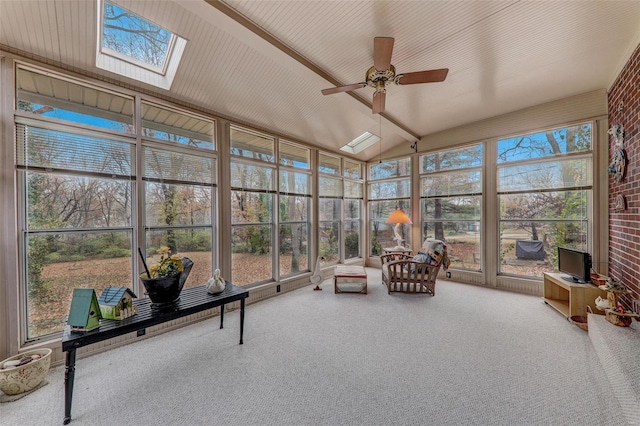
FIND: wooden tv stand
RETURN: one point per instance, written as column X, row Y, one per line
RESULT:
column 569, row 298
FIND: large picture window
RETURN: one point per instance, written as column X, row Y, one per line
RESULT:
column 253, row 177
column 294, row 202
column 340, row 187
column 179, row 200
column 451, row 202
column 389, row 189
column 77, row 173
column 545, row 197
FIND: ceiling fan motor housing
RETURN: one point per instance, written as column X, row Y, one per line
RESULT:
column 376, row 78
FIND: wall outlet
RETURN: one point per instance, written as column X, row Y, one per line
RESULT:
column 141, row 332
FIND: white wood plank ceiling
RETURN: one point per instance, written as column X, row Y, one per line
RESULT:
column 266, row 67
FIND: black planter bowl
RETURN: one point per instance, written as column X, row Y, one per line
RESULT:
column 165, row 292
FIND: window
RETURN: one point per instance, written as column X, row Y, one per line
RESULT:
column 545, row 193
column 389, row 188
column 135, row 47
column 329, row 164
column 76, row 173
column 252, row 207
column 171, row 125
column 294, row 202
column 75, row 178
column 451, row 201
column 353, row 194
column 340, row 204
column 72, row 102
column 179, row 201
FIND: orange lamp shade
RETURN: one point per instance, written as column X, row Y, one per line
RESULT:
column 398, row 216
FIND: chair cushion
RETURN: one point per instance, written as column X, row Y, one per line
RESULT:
column 420, row 258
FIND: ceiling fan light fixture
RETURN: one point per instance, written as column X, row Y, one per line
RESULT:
column 361, row 143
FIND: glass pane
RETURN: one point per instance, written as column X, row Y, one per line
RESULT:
column 351, row 239
column 382, row 233
column 353, row 189
column 174, row 126
column 329, row 164
column 390, row 169
column 177, row 204
column 532, row 263
column 59, row 201
column 383, row 236
column 329, row 209
column 558, row 174
column 382, row 209
column 454, row 159
column 452, row 183
column 251, row 207
column 294, row 209
column 546, row 205
column 47, row 96
column 251, row 256
column 294, row 183
column 57, row 263
column 546, row 144
column 352, row 209
column 167, row 165
column 294, row 249
column 294, row 155
column 69, row 151
column 392, row 189
column 462, row 238
column 329, row 238
column 194, row 243
column 248, row 176
column 452, row 208
column 252, row 145
column 134, row 36
column 331, row 187
column 352, row 169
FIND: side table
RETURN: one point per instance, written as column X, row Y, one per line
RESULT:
column 388, row 250
column 354, row 276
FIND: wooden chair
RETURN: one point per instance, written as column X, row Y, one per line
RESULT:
column 385, row 259
column 408, row 276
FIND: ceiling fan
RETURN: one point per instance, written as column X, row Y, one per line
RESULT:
column 382, row 72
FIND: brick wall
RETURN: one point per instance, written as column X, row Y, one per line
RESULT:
column 624, row 226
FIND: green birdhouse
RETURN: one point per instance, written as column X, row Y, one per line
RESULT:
column 84, row 314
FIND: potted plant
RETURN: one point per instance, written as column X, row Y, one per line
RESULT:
column 163, row 281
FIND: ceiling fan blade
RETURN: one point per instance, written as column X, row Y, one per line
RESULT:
column 346, row 88
column 431, row 76
column 378, row 102
column 382, row 49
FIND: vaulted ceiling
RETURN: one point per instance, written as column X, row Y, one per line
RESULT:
column 264, row 63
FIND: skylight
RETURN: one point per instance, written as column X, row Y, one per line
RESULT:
column 361, row 143
column 135, row 47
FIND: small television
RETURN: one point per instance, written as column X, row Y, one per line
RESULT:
column 576, row 264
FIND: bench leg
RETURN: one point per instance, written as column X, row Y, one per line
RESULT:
column 69, row 374
column 221, row 315
column 241, row 319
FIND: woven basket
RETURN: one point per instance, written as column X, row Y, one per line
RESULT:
column 580, row 321
column 598, row 279
column 619, row 320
